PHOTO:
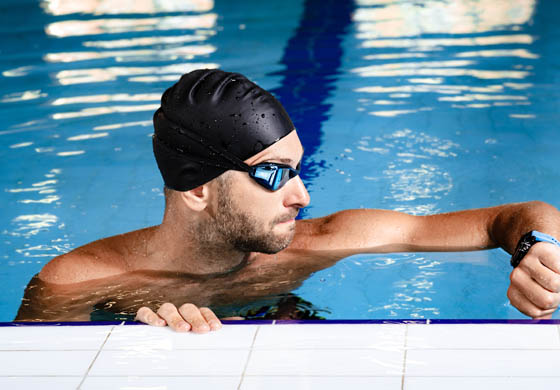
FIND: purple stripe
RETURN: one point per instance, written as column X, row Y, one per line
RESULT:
column 303, row 322
column 69, row 323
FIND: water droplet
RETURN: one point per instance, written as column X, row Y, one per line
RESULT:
column 257, row 147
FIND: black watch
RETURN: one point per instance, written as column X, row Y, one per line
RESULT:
column 526, row 242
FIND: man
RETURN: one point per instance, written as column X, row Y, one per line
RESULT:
column 230, row 159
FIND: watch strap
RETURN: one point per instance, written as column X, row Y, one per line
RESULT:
column 543, row 237
column 527, row 241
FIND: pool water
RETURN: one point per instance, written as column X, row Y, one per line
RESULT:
column 421, row 107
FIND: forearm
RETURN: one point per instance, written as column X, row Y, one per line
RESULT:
column 514, row 220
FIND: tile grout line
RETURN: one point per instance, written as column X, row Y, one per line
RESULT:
column 248, row 358
column 94, row 359
column 405, row 354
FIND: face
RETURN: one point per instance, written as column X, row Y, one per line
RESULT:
column 254, row 219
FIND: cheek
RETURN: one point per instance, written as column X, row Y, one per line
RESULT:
column 254, row 199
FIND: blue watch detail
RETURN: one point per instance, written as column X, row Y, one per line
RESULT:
column 527, row 241
column 543, row 237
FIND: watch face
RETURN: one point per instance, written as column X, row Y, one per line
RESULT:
column 523, row 247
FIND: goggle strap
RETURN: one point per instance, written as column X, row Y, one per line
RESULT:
column 235, row 161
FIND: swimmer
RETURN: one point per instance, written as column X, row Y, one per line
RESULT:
column 230, row 158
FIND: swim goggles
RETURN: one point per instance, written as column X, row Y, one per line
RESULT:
column 273, row 176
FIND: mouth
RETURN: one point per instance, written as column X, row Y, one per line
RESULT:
column 287, row 219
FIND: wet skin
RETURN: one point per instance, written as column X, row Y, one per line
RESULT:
column 167, row 275
column 261, row 276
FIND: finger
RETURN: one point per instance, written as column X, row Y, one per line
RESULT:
column 545, row 317
column 524, row 305
column 542, row 274
column 534, row 292
column 234, row 318
column 211, row 318
column 192, row 315
column 549, row 255
column 171, row 315
column 147, row 316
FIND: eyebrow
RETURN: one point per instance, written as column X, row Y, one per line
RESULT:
column 287, row 161
column 284, row 160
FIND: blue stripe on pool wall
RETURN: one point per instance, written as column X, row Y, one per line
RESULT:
column 312, row 59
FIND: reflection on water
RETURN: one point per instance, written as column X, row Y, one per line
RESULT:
column 407, row 72
column 99, row 66
column 110, row 7
column 400, row 29
column 98, row 76
column 71, row 28
column 391, row 18
column 414, row 172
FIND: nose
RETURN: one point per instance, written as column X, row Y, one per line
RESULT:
column 296, row 194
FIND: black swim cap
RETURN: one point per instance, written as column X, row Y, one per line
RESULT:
column 209, row 122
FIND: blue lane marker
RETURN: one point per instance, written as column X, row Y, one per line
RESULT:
column 312, row 59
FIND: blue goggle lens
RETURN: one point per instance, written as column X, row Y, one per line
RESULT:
column 273, row 176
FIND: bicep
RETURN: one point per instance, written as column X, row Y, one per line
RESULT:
column 383, row 231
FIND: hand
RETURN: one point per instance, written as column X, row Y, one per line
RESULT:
column 186, row 318
column 535, row 282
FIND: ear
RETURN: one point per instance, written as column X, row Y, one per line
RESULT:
column 196, row 199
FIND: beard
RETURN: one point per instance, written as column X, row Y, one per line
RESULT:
column 244, row 232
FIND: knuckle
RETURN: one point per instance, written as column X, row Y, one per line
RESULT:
column 543, row 301
column 187, row 307
column 555, row 284
column 511, row 294
column 543, row 249
column 166, row 308
column 534, row 312
column 206, row 310
column 515, row 276
column 208, row 314
column 142, row 314
column 549, row 301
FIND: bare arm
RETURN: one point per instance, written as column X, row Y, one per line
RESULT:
column 535, row 283
column 383, row 231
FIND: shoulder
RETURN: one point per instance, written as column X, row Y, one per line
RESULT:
column 99, row 259
column 80, row 265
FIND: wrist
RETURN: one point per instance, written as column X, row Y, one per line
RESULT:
column 527, row 241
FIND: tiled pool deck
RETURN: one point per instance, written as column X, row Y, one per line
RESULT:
column 282, row 356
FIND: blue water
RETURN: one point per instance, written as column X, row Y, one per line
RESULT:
column 421, row 107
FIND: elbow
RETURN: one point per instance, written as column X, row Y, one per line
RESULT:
column 540, row 205
column 540, row 208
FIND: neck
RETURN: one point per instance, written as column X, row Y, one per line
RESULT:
column 190, row 250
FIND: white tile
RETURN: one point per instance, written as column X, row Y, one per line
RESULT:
column 320, row 382
column 151, row 362
column 149, row 337
column 482, row 336
column 53, row 337
column 64, row 363
column 43, row 383
column 331, row 336
column 332, row 362
column 431, row 362
column 163, row 383
column 469, row 383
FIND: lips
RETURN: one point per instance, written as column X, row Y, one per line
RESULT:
column 287, row 218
